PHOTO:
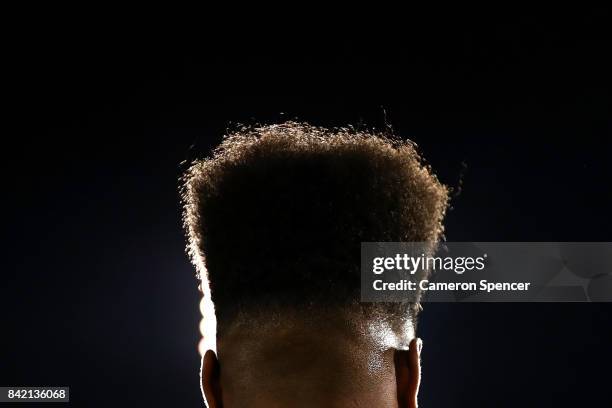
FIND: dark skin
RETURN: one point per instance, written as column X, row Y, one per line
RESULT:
column 404, row 369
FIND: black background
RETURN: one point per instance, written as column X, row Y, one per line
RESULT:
column 97, row 293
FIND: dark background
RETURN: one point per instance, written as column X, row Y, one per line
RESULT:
column 96, row 291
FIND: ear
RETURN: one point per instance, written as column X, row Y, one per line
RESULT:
column 408, row 374
column 211, row 380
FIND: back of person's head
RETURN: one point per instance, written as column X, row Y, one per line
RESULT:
column 275, row 220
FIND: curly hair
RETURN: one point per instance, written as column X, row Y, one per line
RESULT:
column 276, row 216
